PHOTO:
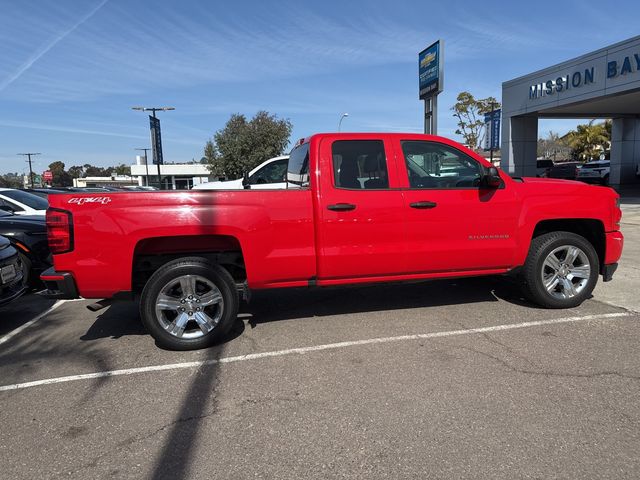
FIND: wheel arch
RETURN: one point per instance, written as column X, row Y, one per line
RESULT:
column 152, row 253
column 591, row 229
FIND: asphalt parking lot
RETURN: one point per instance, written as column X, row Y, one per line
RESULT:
column 451, row 379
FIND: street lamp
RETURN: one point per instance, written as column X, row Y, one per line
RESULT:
column 156, row 156
column 146, row 164
column 342, row 118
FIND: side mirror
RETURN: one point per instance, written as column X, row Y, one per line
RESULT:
column 492, row 178
column 245, row 181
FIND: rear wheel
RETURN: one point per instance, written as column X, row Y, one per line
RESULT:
column 189, row 304
column 561, row 270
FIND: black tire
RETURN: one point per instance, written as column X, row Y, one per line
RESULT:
column 605, row 180
column 27, row 277
column 535, row 268
column 169, row 326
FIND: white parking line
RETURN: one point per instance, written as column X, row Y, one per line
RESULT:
column 316, row 348
column 13, row 333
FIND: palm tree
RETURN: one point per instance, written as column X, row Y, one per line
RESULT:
column 587, row 142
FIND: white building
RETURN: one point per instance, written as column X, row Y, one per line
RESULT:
column 113, row 181
column 174, row 176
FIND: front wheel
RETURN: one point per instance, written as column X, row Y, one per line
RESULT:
column 189, row 304
column 561, row 270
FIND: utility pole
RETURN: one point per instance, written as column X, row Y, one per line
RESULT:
column 155, row 136
column 29, row 160
column 146, row 164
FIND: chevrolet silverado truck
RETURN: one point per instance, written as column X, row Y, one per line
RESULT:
column 358, row 208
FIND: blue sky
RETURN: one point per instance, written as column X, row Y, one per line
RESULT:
column 71, row 70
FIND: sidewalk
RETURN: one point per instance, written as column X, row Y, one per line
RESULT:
column 623, row 290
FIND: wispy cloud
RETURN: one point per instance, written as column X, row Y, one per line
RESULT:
column 172, row 49
column 85, row 131
column 38, row 54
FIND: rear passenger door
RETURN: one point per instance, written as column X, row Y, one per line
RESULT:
column 361, row 231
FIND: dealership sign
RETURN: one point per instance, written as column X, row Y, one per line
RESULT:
column 430, row 78
column 156, row 140
column 558, row 84
column 492, row 130
column 579, row 78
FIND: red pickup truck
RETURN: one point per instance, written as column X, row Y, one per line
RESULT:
column 359, row 208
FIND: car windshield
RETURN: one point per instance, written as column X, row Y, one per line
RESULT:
column 28, row 199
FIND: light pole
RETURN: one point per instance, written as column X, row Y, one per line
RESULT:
column 146, row 164
column 29, row 160
column 342, row 118
column 157, row 149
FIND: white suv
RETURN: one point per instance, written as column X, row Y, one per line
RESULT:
column 596, row 171
column 22, row 203
column 269, row 174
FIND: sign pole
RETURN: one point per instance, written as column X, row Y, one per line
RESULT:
column 431, row 115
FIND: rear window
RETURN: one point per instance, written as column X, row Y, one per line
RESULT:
column 298, row 167
column 545, row 163
column 28, row 199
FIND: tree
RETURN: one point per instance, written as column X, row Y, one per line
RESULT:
column 470, row 114
column 242, row 145
column 10, row 181
column 76, row 171
column 588, row 141
column 121, row 169
column 554, row 147
column 92, row 171
column 60, row 177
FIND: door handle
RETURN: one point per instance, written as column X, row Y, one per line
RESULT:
column 341, row 207
column 423, row 204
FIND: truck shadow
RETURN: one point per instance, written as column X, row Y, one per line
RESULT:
column 287, row 304
column 123, row 319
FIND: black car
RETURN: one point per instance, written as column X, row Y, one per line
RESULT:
column 11, row 285
column 44, row 192
column 28, row 234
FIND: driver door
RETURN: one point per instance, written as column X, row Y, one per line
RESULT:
column 454, row 224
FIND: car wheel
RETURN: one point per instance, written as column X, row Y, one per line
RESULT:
column 26, row 270
column 605, row 180
column 189, row 304
column 561, row 270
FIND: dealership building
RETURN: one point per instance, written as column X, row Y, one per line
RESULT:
column 601, row 84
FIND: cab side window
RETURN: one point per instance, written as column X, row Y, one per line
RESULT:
column 439, row 166
column 360, row 164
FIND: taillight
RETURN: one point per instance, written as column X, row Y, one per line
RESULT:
column 59, row 230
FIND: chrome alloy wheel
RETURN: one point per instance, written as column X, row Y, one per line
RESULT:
column 566, row 271
column 189, row 306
